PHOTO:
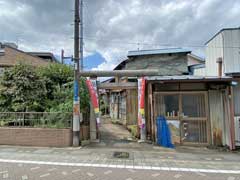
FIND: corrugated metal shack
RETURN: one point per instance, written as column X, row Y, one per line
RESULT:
column 198, row 109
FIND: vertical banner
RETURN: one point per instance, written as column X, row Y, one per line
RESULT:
column 92, row 88
column 141, row 102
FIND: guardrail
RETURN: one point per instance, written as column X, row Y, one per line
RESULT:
column 36, row 119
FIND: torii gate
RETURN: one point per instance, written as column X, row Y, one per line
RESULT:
column 125, row 73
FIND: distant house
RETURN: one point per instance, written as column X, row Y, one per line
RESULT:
column 10, row 55
column 47, row 56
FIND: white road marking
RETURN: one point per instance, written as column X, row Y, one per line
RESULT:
column 208, row 159
column 155, row 175
column 177, row 176
column 231, row 178
column 90, row 174
column 34, row 168
column 76, row 170
column 200, row 174
column 219, row 171
column 53, row 169
column 3, row 172
column 25, row 177
column 129, row 179
column 107, row 172
column 5, row 176
column 45, row 175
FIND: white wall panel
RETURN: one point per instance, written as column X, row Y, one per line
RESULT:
column 231, row 39
column 214, row 50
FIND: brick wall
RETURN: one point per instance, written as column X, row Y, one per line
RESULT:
column 36, row 137
column 41, row 137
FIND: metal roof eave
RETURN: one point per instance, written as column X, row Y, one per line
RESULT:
column 157, row 52
column 190, row 79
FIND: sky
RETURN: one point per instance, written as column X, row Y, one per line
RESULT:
column 114, row 27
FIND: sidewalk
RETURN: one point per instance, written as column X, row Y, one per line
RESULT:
column 184, row 159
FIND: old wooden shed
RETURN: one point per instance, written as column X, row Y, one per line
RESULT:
column 199, row 110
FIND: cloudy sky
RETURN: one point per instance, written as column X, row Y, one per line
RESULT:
column 113, row 27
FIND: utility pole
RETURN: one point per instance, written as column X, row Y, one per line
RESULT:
column 81, row 34
column 76, row 100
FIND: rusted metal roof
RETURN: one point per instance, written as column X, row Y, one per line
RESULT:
column 190, row 78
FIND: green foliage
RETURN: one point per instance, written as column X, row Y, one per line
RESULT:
column 55, row 76
column 46, row 89
column 22, row 89
column 134, row 130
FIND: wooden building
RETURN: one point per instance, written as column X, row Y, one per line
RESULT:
column 198, row 109
column 172, row 61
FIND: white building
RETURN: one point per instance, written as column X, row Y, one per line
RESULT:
column 226, row 46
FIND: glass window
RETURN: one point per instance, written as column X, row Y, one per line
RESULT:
column 171, row 105
column 193, row 105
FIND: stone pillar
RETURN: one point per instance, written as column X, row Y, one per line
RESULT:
column 93, row 126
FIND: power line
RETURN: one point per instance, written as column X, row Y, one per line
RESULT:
column 155, row 44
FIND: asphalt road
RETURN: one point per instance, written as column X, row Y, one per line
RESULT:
column 16, row 171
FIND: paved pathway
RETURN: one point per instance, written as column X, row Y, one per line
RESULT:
column 114, row 134
column 158, row 159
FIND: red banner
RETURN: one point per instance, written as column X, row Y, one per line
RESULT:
column 92, row 88
column 141, row 102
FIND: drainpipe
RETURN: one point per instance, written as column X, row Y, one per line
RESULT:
column 220, row 66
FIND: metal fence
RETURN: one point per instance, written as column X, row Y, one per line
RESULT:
column 36, row 119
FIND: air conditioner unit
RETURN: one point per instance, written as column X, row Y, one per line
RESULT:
column 237, row 130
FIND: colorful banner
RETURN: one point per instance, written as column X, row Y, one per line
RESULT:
column 141, row 102
column 92, row 88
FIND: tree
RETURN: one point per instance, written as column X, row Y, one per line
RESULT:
column 55, row 76
column 22, row 89
column 58, row 79
column 46, row 89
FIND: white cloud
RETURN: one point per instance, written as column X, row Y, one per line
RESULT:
column 114, row 27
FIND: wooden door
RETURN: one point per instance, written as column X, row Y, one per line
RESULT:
column 186, row 114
